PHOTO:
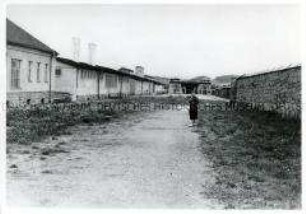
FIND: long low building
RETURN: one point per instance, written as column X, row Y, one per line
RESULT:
column 35, row 74
column 85, row 81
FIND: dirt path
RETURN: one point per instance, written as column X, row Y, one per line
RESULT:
column 149, row 160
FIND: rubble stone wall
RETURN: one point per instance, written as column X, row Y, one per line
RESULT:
column 278, row 91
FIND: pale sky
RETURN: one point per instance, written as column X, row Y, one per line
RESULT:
column 171, row 40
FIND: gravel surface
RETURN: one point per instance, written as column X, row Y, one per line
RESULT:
column 146, row 160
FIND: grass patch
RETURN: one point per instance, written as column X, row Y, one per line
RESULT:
column 256, row 157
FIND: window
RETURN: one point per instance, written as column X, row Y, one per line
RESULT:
column 58, row 71
column 111, row 81
column 30, row 68
column 46, row 73
column 15, row 73
column 38, row 72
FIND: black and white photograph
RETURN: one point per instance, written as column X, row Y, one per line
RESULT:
column 153, row 106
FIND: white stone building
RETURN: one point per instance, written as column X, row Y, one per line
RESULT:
column 29, row 65
column 84, row 81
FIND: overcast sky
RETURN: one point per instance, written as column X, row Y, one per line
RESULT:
column 170, row 40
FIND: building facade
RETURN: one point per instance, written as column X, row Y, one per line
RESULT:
column 175, row 86
column 29, row 66
column 204, row 87
column 84, row 82
column 223, row 91
column 198, row 86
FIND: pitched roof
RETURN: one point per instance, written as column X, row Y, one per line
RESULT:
column 15, row 35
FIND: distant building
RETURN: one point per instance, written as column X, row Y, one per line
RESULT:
column 158, row 88
column 175, row 86
column 198, row 86
column 30, row 64
column 222, row 83
column 223, row 91
column 204, row 87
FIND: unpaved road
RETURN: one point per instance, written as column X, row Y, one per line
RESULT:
column 146, row 160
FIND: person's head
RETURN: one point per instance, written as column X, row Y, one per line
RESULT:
column 193, row 94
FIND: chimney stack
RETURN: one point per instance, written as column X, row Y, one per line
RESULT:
column 139, row 70
column 76, row 48
column 92, row 53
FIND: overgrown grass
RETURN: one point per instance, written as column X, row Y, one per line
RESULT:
column 256, row 157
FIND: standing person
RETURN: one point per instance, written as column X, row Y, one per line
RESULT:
column 193, row 108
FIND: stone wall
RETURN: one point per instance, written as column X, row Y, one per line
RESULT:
column 278, row 91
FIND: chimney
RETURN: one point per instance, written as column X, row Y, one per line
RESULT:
column 92, row 52
column 139, row 70
column 76, row 48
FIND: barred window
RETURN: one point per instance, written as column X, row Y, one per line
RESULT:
column 38, row 72
column 46, row 73
column 15, row 73
column 111, row 81
column 30, row 68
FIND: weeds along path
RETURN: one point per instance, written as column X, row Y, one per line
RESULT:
column 145, row 160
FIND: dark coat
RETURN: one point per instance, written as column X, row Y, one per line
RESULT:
column 193, row 108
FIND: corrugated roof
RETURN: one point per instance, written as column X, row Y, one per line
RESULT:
column 15, row 35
